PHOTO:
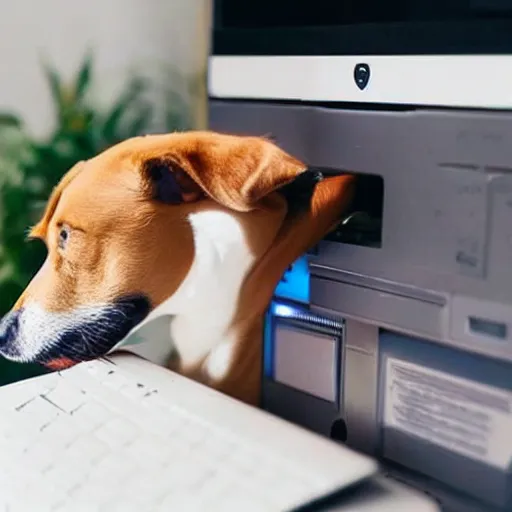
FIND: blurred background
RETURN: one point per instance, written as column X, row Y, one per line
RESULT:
column 76, row 79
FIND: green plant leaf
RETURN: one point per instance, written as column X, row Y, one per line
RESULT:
column 12, row 372
column 10, row 120
column 84, row 76
column 9, row 292
column 30, row 168
column 56, row 88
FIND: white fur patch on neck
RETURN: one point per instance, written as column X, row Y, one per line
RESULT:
column 220, row 359
column 222, row 260
column 205, row 303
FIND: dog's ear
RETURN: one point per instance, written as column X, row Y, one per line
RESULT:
column 237, row 172
column 169, row 183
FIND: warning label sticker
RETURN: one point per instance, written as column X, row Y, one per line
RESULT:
column 461, row 415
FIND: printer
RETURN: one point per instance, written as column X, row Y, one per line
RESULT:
column 394, row 334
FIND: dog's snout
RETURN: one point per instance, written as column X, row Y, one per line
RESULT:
column 9, row 326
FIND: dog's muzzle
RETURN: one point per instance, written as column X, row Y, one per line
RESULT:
column 59, row 341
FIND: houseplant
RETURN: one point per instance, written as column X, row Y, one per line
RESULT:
column 30, row 168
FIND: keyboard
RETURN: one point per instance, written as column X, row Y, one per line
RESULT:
column 122, row 434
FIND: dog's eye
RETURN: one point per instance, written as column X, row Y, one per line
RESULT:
column 63, row 237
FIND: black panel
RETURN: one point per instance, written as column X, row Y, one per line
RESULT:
column 357, row 27
column 321, row 13
column 478, row 37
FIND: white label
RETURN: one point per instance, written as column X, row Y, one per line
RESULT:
column 461, row 415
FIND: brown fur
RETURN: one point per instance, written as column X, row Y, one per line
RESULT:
column 294, row 238
column 124, row 242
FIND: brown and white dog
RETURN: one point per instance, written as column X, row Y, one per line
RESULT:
column 194, row 225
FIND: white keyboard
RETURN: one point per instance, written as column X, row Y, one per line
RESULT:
column 125, row 435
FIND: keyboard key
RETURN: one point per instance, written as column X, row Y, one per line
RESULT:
column 112, row 470
column 65, row 475
column 8, row 423
column 163, row 425
column 91, row 415
column 11, row 449
column 193, row 433
column 91, row 367
column 39, row 455
column 212, row 489
column 116, row 432
column 86, row 451
column 217, row 447
column 150, row 452
column 20, row 393
column 114, row 380
column 92, row 494
column 188, row 472
column 62, row 432
column 134, row 391
column 243, row 460
column 98, row 369
column 17, row 481
column 146, row 488
column 66, row 398
column 152, row 399
column 37, row 413
column 45, row 496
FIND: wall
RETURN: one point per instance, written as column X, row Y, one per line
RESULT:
column 124, row 34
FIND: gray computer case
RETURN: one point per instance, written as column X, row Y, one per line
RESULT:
column 425, row 361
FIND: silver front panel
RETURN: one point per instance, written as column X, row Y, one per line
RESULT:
column 441, row 281
column 446, row 230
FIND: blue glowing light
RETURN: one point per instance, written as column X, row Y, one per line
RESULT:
column 283, row 310
column 294, row 284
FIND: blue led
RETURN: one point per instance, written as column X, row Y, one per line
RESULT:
column 294, row 284
column 283, row 310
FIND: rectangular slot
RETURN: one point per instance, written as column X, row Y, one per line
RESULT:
column 362, row 224
column 489, row 328
column 306, row 361
column 302, row 349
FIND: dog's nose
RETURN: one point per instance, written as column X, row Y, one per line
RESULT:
column 9, row 327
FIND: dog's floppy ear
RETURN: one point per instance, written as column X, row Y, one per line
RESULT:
column 169, row 183
column 237, row 172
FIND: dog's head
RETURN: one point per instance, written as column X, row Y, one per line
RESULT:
column 121, row 239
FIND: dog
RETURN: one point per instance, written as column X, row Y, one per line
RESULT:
column 199, row 226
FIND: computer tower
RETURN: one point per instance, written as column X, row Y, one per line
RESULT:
column 397, row 336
